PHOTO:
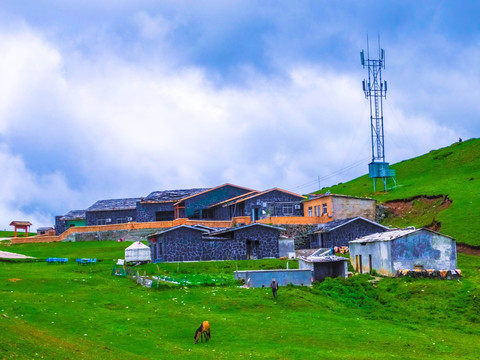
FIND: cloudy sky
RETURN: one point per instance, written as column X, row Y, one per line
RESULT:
column 120, row 98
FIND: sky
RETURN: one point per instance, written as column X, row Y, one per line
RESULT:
column 113, row 99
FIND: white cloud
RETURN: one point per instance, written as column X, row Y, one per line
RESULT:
column 118, row 128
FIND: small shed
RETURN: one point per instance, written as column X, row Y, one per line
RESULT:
column 324, row 266
column 403, row 249
column 47, row 231
column 137, row 252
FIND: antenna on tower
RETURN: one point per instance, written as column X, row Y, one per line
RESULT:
column 375, row 89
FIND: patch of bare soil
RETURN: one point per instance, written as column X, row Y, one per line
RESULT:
column 468, row 249
column 403, row 206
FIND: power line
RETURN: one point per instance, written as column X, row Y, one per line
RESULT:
column 335, row 173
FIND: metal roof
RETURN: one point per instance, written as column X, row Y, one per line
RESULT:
column 114, row 204
column 214, row 188
column 74, row 215
column 234, row 199
column 270, row 190
column 172, row 195
column 392, row 235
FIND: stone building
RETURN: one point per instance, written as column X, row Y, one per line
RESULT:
column 260, row 205
column 70, row 219
column 406, row 249
column 113, row 211
column 197, row 206
column 159, row 205
column 341, row 232
column 190, row 243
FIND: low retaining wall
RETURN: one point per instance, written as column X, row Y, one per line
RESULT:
column 263, row 278
column 432, row 274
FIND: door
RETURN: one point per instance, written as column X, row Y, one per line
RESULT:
column 249, row 249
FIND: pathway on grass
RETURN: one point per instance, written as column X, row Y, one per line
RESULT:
column 10, row 255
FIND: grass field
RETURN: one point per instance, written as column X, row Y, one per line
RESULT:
column 20, row 233
column 453, row 171
column 83, row 312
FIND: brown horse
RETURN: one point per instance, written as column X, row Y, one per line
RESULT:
column 203, row 332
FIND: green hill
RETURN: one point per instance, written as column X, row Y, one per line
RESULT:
column 439, row 190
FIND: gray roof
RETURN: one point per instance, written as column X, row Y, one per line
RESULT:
column 392, row 235
column 329, row 226
column 178, row 227
column 74, row 215
column 172, row 195
column 45, row 228
column 232, row 229
column 328, row 258
column 114, row 204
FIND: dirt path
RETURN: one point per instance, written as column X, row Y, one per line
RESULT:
column 10, row 255
column 466, row 249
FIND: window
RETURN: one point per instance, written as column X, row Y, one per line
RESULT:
column 121, row 220
column 101, row 222
column 310, row 211
column 71, row 225
column 288, row 209
column 315, row 210
column 324, row 210
column 164, row 215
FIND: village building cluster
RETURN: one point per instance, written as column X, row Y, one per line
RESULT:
column 332, row 220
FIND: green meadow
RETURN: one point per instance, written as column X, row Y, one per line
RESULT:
column 453, row 171
column 83, row 312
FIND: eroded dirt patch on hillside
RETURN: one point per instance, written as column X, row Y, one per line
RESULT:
column 421, row 208
column 468, row 249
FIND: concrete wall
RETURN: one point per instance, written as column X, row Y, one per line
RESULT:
column 380, row 252
column 424, row 248
column 322, row 270
column 344, row 208
column 285, row 246
column 263, row 278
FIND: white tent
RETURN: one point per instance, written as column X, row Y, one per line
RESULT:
column 137, row 252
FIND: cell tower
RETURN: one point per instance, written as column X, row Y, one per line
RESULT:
column 376, row 90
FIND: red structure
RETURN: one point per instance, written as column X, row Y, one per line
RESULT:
column 21, row 225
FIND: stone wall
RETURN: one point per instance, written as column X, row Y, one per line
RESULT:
column 91, row 217
column 125, row 234
column 146, row 212
column 273, row 201
column 60, row 225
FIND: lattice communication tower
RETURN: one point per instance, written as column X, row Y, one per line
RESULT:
column 375, row 90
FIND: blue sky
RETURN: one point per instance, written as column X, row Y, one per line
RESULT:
column 120, row 98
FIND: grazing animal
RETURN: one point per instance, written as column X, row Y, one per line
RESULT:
column 203, row 332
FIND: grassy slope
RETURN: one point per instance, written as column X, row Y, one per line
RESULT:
column 452, row 171
column 77, row 312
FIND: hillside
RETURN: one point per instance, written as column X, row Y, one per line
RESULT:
column 439, row 189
